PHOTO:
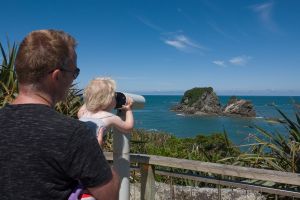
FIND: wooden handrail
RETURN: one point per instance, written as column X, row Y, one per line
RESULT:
column 227, row 170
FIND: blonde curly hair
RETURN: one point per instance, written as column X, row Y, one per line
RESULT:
column 99, row 94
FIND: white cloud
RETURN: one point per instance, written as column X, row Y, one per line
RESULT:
column 174, row 39
column 240, row 60
column 219, row 62
column 264, row 12
column 177, row 44
column 182, row 43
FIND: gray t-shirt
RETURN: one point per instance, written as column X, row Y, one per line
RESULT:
column 44, row 154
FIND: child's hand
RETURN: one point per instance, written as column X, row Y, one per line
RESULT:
column 128, row 105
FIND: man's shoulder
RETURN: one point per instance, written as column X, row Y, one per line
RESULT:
column 67, row 123
column 41, row 115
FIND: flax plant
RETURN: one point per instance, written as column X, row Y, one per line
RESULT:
column 276, row 151
column 72, row 103
column 8, row 81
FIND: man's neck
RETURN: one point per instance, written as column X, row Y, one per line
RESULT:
column 30, row 96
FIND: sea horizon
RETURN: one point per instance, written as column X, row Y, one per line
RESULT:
column 241, row 95
column 226, row 93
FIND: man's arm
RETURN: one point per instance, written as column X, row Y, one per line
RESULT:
column 85, row 161
column 109, row 190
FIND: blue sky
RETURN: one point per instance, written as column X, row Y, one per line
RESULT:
column 153, row 46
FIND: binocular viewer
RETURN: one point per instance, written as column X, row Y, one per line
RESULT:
column 121, row 98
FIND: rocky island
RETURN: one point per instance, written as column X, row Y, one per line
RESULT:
column 204, row 101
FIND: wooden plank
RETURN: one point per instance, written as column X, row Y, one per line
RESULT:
column 228, row 170
column 147, row 182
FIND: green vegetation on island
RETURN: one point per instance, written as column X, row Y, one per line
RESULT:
column 192, row 95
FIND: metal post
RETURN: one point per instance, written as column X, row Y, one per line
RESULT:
column 121, row 150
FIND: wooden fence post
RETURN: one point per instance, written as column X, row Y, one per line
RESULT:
column 147, row 182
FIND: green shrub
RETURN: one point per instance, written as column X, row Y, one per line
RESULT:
column 210, row 148
column 72, row 103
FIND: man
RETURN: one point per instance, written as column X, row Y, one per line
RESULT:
column 44, row 154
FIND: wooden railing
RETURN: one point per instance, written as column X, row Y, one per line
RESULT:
column 147, row 165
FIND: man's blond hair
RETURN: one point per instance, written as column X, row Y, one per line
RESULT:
column 99, row 94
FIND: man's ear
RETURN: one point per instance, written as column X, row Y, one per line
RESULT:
column 56, row 74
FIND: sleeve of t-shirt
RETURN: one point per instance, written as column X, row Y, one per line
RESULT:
column 85, row 160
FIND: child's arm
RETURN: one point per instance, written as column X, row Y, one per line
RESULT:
column 100, row 136
column 127, row 125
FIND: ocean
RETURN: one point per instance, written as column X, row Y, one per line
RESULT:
column 157, row 116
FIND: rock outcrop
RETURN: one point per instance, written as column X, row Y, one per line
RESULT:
column 199, row 101
column 204, row 101
column 239, row 107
